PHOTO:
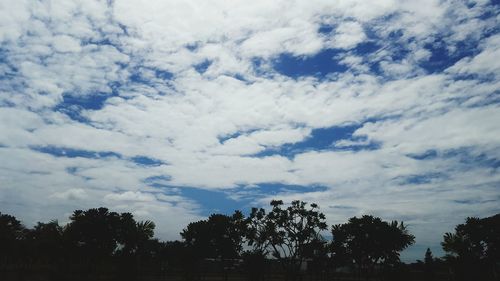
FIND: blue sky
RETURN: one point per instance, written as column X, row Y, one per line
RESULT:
column 174, row 109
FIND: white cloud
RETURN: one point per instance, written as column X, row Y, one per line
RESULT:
column 71, row 194
column 483, row 64
column 136, row 196
column 64, row 43
column 348, row 35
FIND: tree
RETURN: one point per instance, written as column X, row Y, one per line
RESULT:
column 219, row 237
column 429, row 265
column 12, row 235
column 93, row 233
column 474, row 248
column 46, row 241
column 367, row 241
column 132, row 236
column 286, row 233
column 428, row 259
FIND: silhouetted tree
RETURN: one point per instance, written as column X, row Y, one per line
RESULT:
column 132, row 236
column 46, row 241
column 12, row 234
column 94, row 233
column 428, row 259
column 286, row 233
column 429, row 267
column 367, row 241
column 255, row 265
column 218, row 237
column 474, row 248
column 176, row 255
column 101, row 245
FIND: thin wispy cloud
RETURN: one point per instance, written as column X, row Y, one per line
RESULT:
column 382, row 107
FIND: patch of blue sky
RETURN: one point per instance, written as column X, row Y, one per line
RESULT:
column 441, row 57
column 138, row 77
column 224, row 138
column 239, row 77
column 203, row 66
column 318, row 65
column 163, row 74
column 193, row 46
column 214, row 201
column 73, row 153
column 492, row 11
column 421, row 178
column 72, row 105
column 465, row 156
column 323, row 63
column 490, row 99
column 9, row 81
column 323, row 139
column 161, row 181
column 102, row 41
column 94, row 102
column 147, row 161
column 243, row 199
column 148, row 76
column 226, row 201
column 484, row 160
column 210, row 201
column 365, row 48
column 266, row 189
column 4, row 61
column 325, row 29
column 263, row 67
column 105, row 40
column 429, row 154
column 72, row 170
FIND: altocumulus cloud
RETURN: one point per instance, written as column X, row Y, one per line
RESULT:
column 382, row 107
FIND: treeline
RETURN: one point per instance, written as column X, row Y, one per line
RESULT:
column 285, row 242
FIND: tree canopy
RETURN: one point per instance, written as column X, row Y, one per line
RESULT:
column 368, row 240
column 286, row 233
column 218, row 237
column 474, row 245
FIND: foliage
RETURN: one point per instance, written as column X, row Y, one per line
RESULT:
column 477, row 239
column 218, row 237
column 286, row 233
column 98, row 242
column 98, row 233
column 368, row 240
column 12, row 232
column 46, row 240
column 428, row 259
column 474, row 245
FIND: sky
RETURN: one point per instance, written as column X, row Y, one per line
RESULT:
column 174, row 110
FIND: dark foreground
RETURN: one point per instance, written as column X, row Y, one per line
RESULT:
column 123, row 273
